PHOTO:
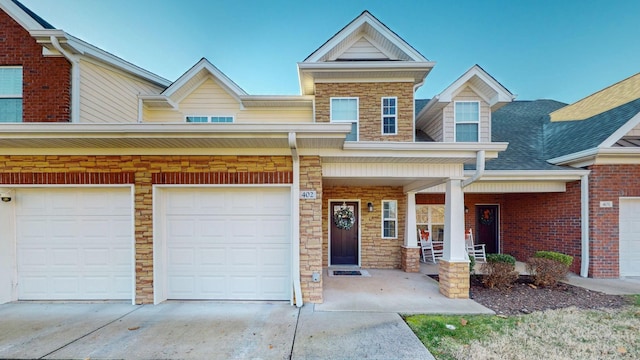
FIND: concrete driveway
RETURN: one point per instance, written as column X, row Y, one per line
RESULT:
column 200, row 330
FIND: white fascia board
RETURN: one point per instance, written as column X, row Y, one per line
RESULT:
column 277, row 100
column 622, row 131
column 19, row 15
column 575, row 157
column 425, row 146
column 149, row 99
column 531, row 175
column 42, row 130
column 367, row 65
column 80, row 47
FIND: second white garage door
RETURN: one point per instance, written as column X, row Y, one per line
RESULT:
column 228, row 243
column 629, row 237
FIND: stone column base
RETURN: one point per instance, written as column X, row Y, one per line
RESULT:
column 410, row 258
column 454, row 279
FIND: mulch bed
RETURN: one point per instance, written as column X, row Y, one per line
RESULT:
column 524, row 297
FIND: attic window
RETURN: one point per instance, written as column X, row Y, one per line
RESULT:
column 211, row 119
column 467, row 119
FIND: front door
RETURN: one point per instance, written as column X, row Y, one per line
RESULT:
column 487, row 227
column 344, row 238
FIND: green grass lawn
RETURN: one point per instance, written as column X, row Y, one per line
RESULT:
column 553, row 334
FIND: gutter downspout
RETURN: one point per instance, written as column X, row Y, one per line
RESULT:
column 295, row 219
column 75, row 79
column 584, row 209
column 480, row 155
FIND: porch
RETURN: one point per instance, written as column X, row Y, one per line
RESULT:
column 392, row 291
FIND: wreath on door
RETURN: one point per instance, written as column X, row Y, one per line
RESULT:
column 344, row 218
column 486, row 217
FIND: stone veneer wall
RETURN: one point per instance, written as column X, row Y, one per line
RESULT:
column 370, row 108
column 144, row 172
column 376, row 252
column 311, row 229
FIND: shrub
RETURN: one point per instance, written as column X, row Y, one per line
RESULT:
column 499, row 271
column 548, row 267
column 562, row 258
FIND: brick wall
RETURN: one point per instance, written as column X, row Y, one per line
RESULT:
column 370, row 98
column 530, row 222
column 46, row 89
column 144, row 172
column 608, row 183
column 311, row 228
column 376, row 252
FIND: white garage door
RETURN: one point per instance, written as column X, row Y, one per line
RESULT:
column 74, row 244
column 629, row 237
column 228, row 243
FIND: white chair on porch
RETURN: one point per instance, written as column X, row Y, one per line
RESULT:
column 475, row 250
column 431, row 250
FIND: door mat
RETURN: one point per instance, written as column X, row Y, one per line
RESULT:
column 348, row 273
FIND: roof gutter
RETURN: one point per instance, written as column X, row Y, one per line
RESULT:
column 479, row 169
column 295, row 223
column 75, row 79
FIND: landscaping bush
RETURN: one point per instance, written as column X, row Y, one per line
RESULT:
column 472, row 265
column 499, row 271
column 548, row 267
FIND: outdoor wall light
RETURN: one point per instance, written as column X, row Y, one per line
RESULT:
column 5, row 196
column 466, row 209
column 370, row 207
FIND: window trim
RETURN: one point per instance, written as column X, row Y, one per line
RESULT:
column 209, row 118
column 17, row 96
column 456, row 122
column 395, row 220
column 430, row 223
column 383, row 116
column 357, row 119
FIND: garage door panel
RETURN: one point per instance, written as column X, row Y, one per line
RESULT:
column 231, row 232
column 629, row 246
column 74, row 244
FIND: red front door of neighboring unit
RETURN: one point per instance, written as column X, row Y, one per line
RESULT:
column 487, row 227
column 344, row 243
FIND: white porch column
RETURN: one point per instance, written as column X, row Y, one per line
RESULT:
column 410, row 232
column 454, row 245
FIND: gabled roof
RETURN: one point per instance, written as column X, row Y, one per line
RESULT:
column 483, row 84
column 364, row 49
column 606, row 99
column 42, row 22
column 375, row 32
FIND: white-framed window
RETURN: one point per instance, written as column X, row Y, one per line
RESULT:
column 10, row 93
column 431, row 219
column 389, row 219
column 345, row 109
column 212, row 119
column 389, row 115
column 467, row 120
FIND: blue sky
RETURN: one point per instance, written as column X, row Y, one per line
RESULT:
column 562, row 50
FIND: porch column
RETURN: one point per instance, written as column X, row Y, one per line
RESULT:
column 454, row 266
column 410, row 250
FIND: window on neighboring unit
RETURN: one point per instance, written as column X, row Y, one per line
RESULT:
column 389, row 219
column 346, row 110
column 431, row 219
column 10, row 93
column 467, row 119
column 213, row 119
column 389, row 116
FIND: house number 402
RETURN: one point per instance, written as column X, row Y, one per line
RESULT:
column 309, row 194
